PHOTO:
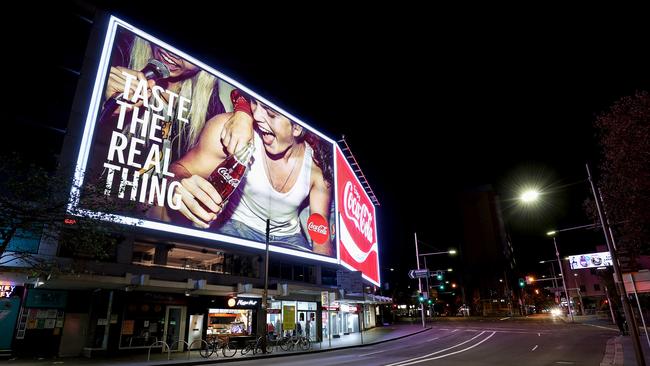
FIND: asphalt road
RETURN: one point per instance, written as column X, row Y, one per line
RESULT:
column 511, row 341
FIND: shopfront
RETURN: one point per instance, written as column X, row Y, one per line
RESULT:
column 286, row 317
column 149, row 318
column 232, row 317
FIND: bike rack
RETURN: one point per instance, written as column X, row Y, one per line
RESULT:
column 169, row 354
column 189, row 347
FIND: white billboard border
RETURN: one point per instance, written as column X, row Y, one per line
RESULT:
column 89, row 126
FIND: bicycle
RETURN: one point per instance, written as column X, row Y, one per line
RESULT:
column 256, row 346
column 228, row 348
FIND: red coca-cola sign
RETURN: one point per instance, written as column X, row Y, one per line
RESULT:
column 317, row 228
column 358, row 225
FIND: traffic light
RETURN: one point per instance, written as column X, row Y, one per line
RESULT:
column 522, row 283
column 442, row 287
column 430, row 302
column 421, row 298
column 439, row 275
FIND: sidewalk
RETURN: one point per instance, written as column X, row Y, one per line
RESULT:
column 372, row 336
column 620, row 350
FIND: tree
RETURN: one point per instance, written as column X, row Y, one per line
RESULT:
column 33, row 208
column 624, row 136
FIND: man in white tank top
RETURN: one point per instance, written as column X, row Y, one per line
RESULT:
column 281, row 177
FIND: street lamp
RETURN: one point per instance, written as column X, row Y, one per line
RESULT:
column 559, row 263
column 417, row 260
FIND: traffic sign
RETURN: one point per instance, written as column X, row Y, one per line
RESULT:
column 418, row 273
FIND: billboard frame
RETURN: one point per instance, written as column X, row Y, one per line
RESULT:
column 91, row 116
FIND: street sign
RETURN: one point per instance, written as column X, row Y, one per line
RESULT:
column 418, row 273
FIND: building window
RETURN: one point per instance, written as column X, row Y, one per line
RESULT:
column 26, row 241
column 596, row 287
column 328, row 276
column 195, row 258
column 583, row 288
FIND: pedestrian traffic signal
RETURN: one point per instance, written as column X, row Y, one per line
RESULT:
column 522, row 283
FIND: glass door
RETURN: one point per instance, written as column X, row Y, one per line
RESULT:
column 174, row 327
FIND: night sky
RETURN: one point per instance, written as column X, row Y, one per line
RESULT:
column 431, row 103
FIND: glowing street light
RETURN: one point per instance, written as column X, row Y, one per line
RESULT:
column 530, row 196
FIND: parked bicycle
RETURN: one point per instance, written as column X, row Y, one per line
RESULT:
column 295, row 342
column 257, row 347
column 228, row 348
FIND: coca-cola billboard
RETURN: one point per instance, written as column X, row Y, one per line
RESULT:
column 358, row 247
column 164, row 132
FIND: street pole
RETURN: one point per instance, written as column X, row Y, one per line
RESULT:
column 265, row 293
column 428, row 289
column 636, row 296
column 609, row 303
column 417, row 259
column 618, row 276
column 557, row 298
column 582, row 307
column 568, row 298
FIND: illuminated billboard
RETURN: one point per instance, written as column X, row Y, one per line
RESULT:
column 358, row 246
column 175, row 137
column 591, row 260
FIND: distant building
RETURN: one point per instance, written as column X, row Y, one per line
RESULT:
column 486, row 254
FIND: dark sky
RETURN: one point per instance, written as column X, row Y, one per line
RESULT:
column 431, row 102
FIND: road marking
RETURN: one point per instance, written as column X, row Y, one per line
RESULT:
column 372, row 353
column 600, row 326
column 435, row 353
column 455, row 330
column 432, row 339
column 448, row 354
column 539, row 335
column 505, row 318
column 565, row 362
column 534, row 348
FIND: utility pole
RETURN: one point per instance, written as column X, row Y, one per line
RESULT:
column 417, row 259
column 265, row 293
column 618, row 276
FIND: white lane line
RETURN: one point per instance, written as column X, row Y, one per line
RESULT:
column 449, row 354
column 455, row 330
column 372, row 353
column 435, row 353
column 534, row 348
column 432, row 339
column 505, row 318
column 539, row 335
column 599, row 326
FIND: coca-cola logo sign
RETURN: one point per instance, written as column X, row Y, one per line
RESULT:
column 226, row 175
column 317, row 228
column 357, row 211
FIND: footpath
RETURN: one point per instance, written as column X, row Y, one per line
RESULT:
column 619, row 350
column 371, row 336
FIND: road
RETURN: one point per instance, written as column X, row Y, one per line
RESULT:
column 506, row 341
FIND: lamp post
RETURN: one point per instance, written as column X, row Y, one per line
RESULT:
column 550, row 261
column 559, row 263
column 417, row 261
column 618, row 276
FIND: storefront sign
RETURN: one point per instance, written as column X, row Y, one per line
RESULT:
column 244, row 302
column 289, row 317
column 324, row 298
column 7, row 290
